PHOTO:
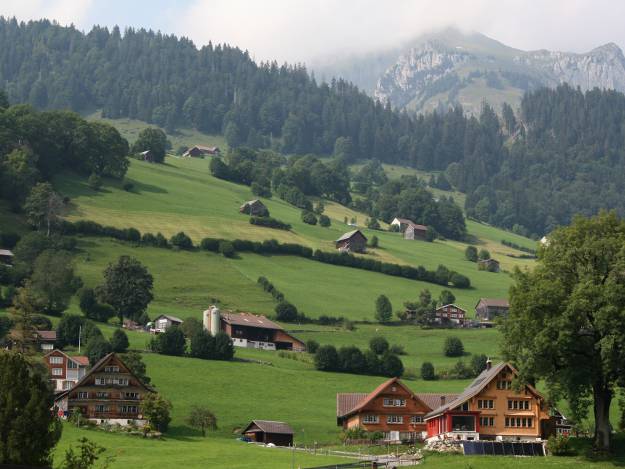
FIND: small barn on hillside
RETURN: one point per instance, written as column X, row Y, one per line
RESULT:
column 352, row 241
column 199, row 151
column 165, row 321
column 414, row 231
column 147, row 155
column 6, row 257
column 254, row 208
column 269, row 431
column 491, row 265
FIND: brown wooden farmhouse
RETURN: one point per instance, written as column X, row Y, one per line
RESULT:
column 392, row 409
column 109, row 393
column 199, row 151
column 268, row 431
column 488, row 309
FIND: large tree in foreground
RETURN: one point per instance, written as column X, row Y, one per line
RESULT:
column 28, row 429
column 566, row 318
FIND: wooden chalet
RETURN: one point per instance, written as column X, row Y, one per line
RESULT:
column 165, row 321
column 352, row 241
column 45, row 340
column 109, row 393
column 6, row 257
column 491, row 265
column 251, row 331
column 450, row 314
column 199, row 151
column 488, row 309
column 65, row 371
column 392, row 409
column 254, row 208
column 269, row 432
column 490, row 409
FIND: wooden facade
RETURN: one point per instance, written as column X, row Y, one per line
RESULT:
column 254, row 208
column 109, row 392
column 269, row 432
column 488, row 309
column 199, row 151
column 256, row 331
column 414, row 231
column 491, row 409
column 392, row 409
column 450, row 314
column 353, row 241
column 65, row 371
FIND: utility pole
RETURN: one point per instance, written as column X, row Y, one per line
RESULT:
column 79, row 334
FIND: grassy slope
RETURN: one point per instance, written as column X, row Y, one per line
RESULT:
column 181, row 195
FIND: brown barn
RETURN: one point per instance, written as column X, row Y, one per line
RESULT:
column 491, row 265
column 251, row 331
column 109, row 392
column 488, row 309
column 451, row 314
column 414, row 231
column 268, row 431
column 199, row 151
column 352, row 241
column 254, row 208
column 392, row 409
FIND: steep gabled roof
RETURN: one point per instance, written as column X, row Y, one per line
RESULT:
column 494, row 302
column 6, row 253
column 360, row 400
column 170, row 317
column 349, row 235
column 95, row 369
column 451, row 304
column 270, row 426
column 433, row 399
column 478, row 384
column 46, row 335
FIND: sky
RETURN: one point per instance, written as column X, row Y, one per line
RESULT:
column 312, row 31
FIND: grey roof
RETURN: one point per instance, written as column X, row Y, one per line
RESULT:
column 433, row 399
column 271, row 426
column 495, row 302
column 473, row 389
column 170, row 317
column 251, row 320
column 349, row 234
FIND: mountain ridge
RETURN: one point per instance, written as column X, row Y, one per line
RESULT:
column 451, row 67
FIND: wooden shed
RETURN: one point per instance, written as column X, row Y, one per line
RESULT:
column 269, row 431
column 352, row 241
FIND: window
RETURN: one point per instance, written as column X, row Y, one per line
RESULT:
column 485, row 404
column 522, row 422
column 111, row 381
column 416, row 419
column 102, row 408
column 394, row 419
column 487, row 421
column 132, row 395
column 56, row 360
column 102, row 395
column 504, row 384
column 83, row 395
column 463, row 407
column 57, row 371
column 67, row 385
column 129, row 409
column 370, row 419
column 394, row 402
column 111, row 369
column 518, row 405
column 72, row 364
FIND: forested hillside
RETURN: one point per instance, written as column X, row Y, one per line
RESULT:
column 559, row 155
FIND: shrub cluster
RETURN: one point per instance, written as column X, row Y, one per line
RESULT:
column 202, row 344
column 378, row 361
column 91, row 228
column 269, row 288
column 294, row 196
column 518, row 247
column 270, row 222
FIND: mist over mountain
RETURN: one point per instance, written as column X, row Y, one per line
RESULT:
column 453, row 67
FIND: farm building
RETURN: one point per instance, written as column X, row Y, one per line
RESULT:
column 490, row 265
column 109, row 393
column 6, row 257
column 490, row 409
column 164, row 321
column 401, row 223
column 46, row 340
column 414, row 231
column 199, row 151
column 488, row 309
column 450, row 314
column 147, row 156
column 254, row 208
column 392, row 408
column 65, row 371
column 268, row 431
column 352, row 241
column 250, row 330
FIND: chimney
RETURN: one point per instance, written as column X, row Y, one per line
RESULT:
column 442, row 400
column 489, row 364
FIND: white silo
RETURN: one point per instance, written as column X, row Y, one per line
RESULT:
column 215, row 320
column 206, row 320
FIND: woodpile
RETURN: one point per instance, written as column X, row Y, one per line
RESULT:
column 444, row 446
